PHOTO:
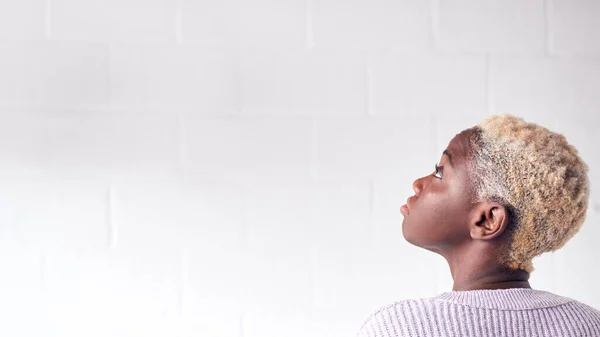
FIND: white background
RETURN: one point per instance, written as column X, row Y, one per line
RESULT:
column 236, row 168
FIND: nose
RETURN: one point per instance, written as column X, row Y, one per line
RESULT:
column 418, row 186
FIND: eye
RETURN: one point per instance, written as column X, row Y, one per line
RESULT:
column 438, row 170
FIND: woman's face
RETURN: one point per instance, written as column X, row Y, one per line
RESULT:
column 437, row 214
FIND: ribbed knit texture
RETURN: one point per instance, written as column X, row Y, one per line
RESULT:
column 498, row 312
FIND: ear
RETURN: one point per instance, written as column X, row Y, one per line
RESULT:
column 489, row 220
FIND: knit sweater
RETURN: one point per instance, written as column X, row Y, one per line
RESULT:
column 510, row 312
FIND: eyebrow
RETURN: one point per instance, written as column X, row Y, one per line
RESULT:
column 449, row 157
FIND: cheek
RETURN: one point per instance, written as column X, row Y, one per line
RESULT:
column 434, row 223
column 438, row 210
column 437, row 217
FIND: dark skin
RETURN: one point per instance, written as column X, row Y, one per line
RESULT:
column 442, row 219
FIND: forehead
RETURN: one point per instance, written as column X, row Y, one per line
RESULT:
column 459, row 146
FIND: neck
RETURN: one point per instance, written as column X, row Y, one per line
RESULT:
column 502, row 280
column 480, row 272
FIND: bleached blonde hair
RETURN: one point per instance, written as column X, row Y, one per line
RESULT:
column 538, row 176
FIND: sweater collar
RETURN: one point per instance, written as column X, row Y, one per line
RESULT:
column 504, row 299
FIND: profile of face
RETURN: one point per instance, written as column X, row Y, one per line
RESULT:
column 436, row 217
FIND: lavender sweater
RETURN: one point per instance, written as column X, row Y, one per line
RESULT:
column 497, row 312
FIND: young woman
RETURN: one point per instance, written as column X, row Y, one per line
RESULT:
column 503, row 192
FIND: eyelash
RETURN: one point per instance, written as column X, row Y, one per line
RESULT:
column 438, row 170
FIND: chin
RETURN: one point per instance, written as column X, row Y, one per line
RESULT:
column 408, row 232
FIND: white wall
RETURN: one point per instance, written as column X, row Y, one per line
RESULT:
column 235, row 168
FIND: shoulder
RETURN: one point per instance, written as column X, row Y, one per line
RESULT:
column 586, row 308
column 395, row 319
column 576, row 304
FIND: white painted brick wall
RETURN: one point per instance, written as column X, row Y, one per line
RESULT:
column 231, row 23
column 164, row 77
column 426, row 83
column 493, row 26
column 51, row 74
column 576, row 27
column 131, row 21
column 22, row 20
column 235, row 168
column 308, row 83
column 378, row 25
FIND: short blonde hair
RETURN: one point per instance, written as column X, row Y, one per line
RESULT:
column 538, row 176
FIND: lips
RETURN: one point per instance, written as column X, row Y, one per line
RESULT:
column 409, row 202
column 405, row 209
